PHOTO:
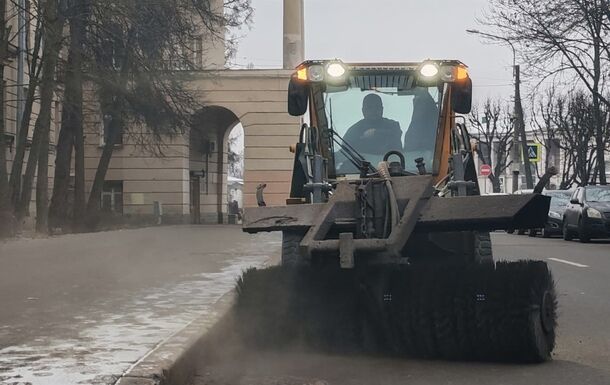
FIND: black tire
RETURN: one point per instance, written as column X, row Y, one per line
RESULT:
column 532, row 233
column 521, row 231
column 290, row 249
column 545, row 233
column 510, row 231
column 567, row 235
column 528, row 335
column 483, row 252
column 583, row 235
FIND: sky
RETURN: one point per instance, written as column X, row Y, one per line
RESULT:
column 383, row 30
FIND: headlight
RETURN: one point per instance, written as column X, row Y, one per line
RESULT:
column 315, row 73
column 335, row 70
column 592, row 213
column 429, row 70
column 554, row 214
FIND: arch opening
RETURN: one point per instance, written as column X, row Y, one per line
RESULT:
column 208, row 164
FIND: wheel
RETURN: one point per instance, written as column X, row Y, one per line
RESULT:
column 532, row 233
column 542, row 323
column 567, row 235
column 510, row 231
column 545, row 233
column 521, row 232
column 526, row 326
column 483, row 252
column 583, row 235
column 290, row 248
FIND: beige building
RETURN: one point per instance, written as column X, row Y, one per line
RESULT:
column 189, row 183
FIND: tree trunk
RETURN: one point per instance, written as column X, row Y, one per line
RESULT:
column 71, row 121
column 495, row 183
column 39, row 152
column 115, row 126
column 53, row 30
column 520, row 126
column 6, row 220
column 600, row 140
column 5, row 211
column 15, row 188
column 79, row 178
column 58, row 209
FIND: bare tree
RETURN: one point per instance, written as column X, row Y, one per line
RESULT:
column 569, row 120
column 235, row 158
column 494, row 129
column 562, row 39
column 545, row 130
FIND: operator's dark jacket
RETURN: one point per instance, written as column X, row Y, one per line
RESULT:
column 387, row 136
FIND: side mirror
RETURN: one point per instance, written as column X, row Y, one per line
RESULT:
column 574, row 201
column 298, row 96
column 461, row 97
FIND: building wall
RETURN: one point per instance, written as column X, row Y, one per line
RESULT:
column 258, row 99
column 146, row 176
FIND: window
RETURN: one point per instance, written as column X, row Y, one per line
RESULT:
column 107, row 127
column 199, row 52
column 112, row 197
column 376, row 119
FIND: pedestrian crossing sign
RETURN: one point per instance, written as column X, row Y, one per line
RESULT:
column 534, row 152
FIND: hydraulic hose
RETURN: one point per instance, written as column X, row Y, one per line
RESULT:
column 384, row 172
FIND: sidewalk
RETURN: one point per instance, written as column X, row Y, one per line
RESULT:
column 83, row 308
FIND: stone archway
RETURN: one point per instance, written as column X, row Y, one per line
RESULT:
column 208, row 165
column 258, row 100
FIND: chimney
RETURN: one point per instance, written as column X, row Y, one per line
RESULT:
column 294, row 31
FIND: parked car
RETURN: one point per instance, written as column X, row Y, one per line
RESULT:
column 560, row 199
column 588, row 214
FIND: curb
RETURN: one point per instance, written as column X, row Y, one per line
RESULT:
column 174, row 360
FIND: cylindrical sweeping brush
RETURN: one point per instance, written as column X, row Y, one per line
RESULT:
column 505, row 312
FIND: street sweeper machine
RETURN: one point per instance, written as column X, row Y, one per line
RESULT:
column 386, row 239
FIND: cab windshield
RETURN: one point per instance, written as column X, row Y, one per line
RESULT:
column 376, row 120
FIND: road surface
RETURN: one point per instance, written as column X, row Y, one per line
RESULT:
column 83, row 308
column 582, row 356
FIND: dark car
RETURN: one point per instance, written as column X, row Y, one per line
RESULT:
column 560, row 199
column 588, row 214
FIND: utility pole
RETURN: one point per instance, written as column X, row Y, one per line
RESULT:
column 520, row 130
column 519, row 135
column 294, row 33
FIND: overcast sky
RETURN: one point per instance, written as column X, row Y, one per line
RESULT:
column 383, row 30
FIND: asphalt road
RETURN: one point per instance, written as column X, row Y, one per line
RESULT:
column 582, row 355
column 83, row 308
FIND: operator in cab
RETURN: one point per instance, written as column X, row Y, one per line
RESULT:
column 374, row 134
